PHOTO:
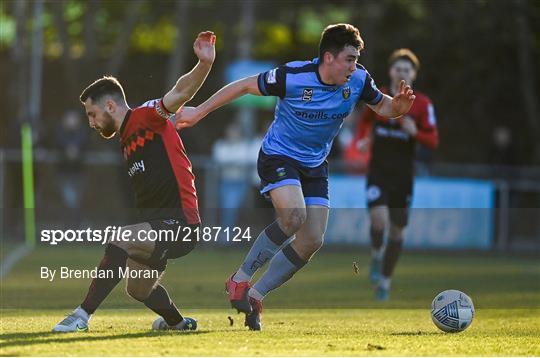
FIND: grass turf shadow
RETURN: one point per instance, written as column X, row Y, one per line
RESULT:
column 415, row 333
column 18, row 339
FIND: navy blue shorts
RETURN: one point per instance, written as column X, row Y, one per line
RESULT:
column 277, row 170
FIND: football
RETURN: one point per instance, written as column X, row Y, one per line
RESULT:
column 452, row 311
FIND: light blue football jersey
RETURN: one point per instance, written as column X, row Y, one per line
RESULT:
column 309, row 113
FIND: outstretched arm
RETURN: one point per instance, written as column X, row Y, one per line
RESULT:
column 397, row 106
column 187, row 85
column 189, row 116
column 362, row 137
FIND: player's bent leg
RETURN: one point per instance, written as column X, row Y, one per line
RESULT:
column 391, row 257
column 309, row 238
column 393, row 250
column 378, row 223
column 148, row 290
column 116, row 255
column 139, row 287
column 262, row 250
column 378, row 216
column 289, row 203
column 155, row 297
column 114, row 260
column 289, row 260
column 138, row 246
column 290, row 207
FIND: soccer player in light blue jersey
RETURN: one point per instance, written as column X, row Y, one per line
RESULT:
column 314, row 98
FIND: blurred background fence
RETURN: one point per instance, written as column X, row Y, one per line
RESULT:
column 454, row 207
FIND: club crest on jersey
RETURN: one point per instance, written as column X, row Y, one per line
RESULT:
column 307, row 95
column 346, row 92
column 281, row 172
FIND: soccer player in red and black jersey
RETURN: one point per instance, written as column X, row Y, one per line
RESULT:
column 391, row 167
column 163, row 183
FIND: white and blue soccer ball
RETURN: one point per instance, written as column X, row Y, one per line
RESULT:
column 452, row 311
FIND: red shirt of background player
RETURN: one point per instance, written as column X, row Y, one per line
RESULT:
column 427, row 134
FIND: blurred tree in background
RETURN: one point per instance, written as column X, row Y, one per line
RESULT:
column 480, row 59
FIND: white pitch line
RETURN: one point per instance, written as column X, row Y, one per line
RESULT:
column 13, row 257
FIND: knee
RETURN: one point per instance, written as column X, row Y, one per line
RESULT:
column 396, row 233
column 378, row 225
column 310, row 244
column 182, row 248
column 131, row 250
column 294, row 219
column 314, row 244
column 137, row 292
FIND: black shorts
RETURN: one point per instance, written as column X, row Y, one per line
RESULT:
column 393, row 192
column 276, row 171
column 168, row 249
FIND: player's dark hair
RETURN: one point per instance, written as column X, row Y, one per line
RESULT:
column 334, row 38
column 404, row 54
column 105, row 86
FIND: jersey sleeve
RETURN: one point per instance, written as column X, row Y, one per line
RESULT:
column 365, row 122
column 156, row 114
column 272, row 83
column 370, row 93
column 158, row 109
column 427, row 127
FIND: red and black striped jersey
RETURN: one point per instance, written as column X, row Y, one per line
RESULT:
column 160, row 172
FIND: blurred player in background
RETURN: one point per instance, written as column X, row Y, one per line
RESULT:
column 391, row 167
column 163, row 183
column 314, row 98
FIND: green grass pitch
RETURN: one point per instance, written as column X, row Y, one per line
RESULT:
column 326, row 309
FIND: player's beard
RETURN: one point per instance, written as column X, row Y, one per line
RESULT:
column 109, row 129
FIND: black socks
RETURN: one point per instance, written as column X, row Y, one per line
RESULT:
column 160, row 302
column 100, row 288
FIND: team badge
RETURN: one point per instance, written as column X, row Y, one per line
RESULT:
column 281, row 172
column 308, row 94
column 346, row 92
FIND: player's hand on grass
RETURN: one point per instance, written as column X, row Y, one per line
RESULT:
column 403, row 100
column 187, row 117
column 204, row 47
column 409, row 126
